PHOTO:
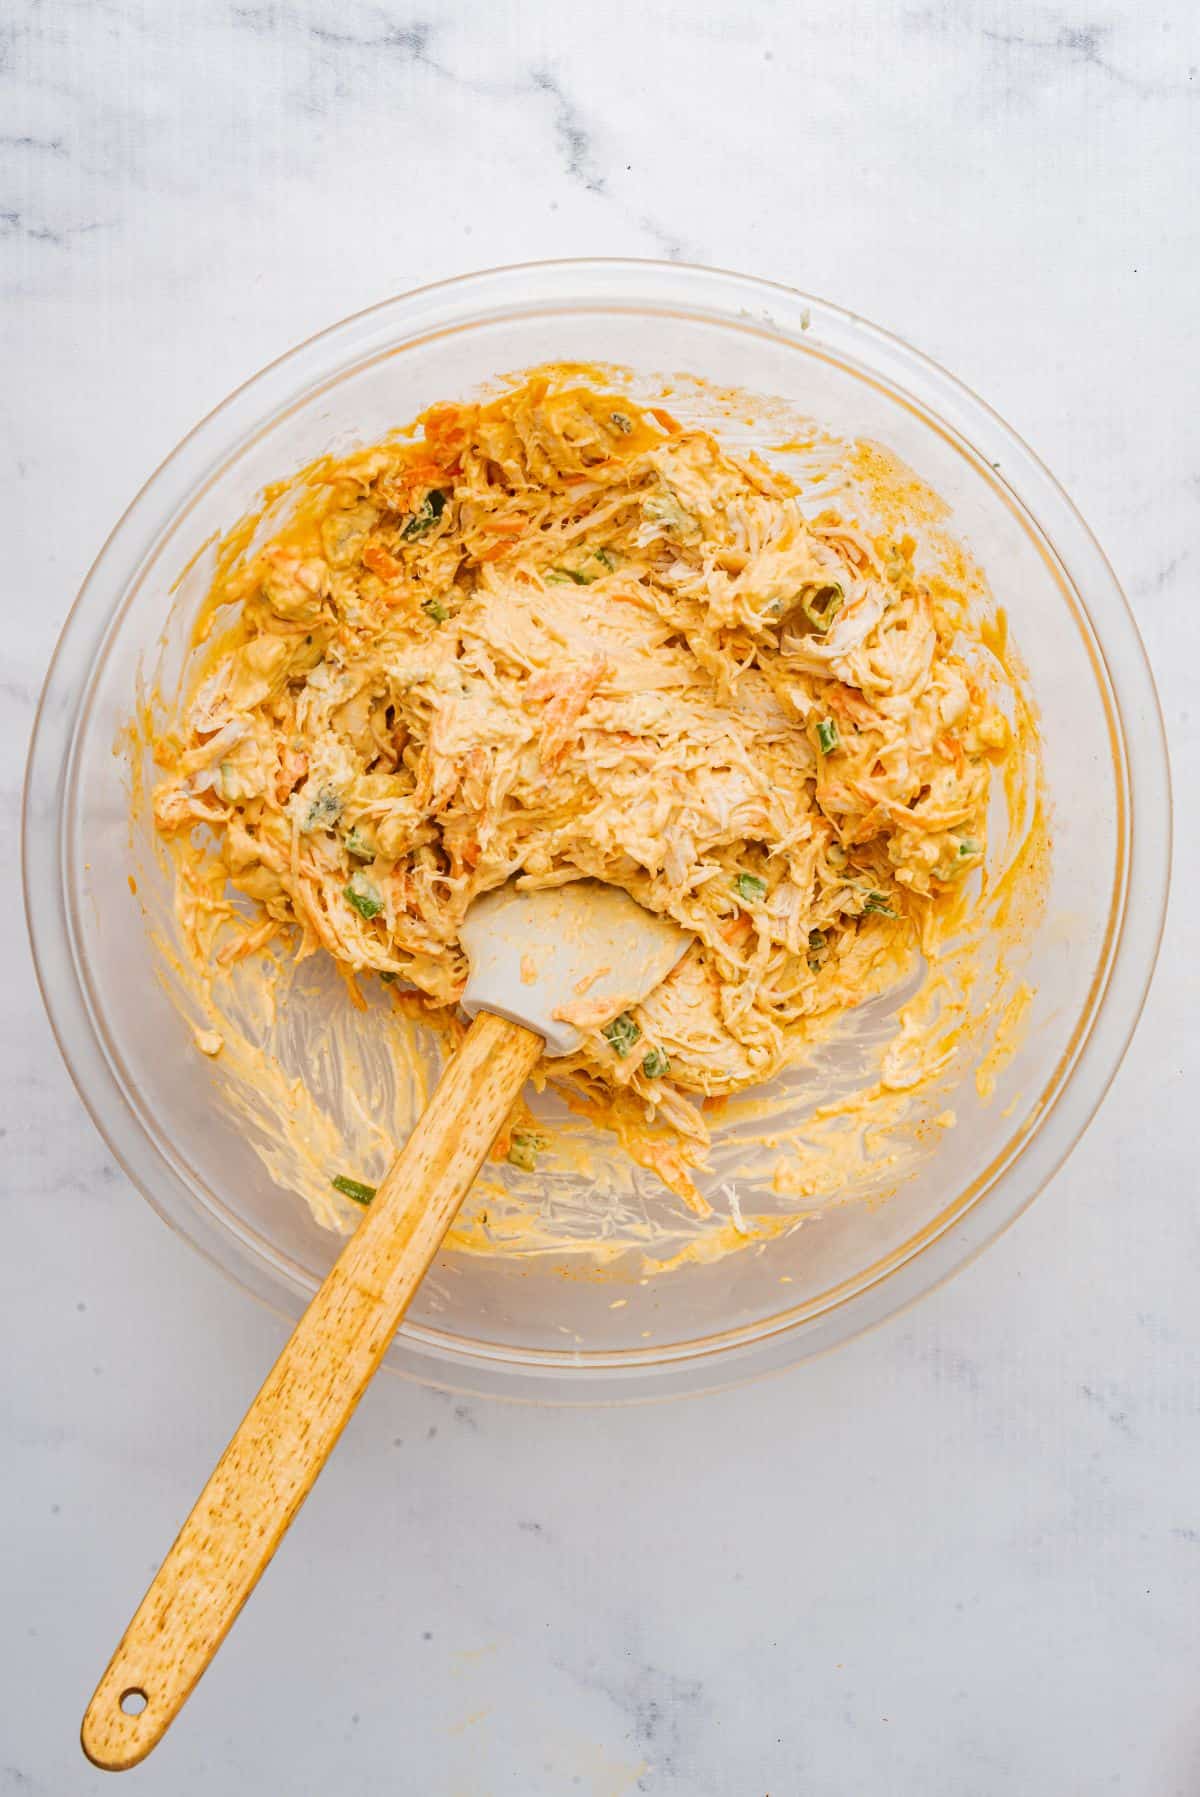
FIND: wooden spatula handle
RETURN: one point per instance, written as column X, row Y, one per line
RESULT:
column 291, row 1428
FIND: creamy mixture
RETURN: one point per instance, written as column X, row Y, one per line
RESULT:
column 560, row 634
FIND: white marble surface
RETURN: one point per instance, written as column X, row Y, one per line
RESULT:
column 959, row 1557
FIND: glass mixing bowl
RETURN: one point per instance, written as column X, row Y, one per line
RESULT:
column 520, row 1328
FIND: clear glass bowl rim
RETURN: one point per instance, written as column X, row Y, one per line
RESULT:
column 1142, row 769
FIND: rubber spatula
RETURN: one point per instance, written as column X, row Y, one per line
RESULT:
column 541, row 963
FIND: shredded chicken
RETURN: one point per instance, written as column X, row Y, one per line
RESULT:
column 559, row 635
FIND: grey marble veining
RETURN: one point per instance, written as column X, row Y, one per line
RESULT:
column 962, row 1555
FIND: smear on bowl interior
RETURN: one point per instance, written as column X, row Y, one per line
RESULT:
column 654, row 634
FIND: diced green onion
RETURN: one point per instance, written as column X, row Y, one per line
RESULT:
column 664, row 509
column 821, row 603
column 354, row 1188
column 358, row 846
column 818, row 942
column 425, row 516
column 364, row 895
column 523, row 1150
column 751, row 888
column 623, row 423
column 387, row 976
column 878, row 901
column 433, row 608
column 965, row 849
column 621, row 1033
column 580, row 577
column 828, row 735
column 655, row 1063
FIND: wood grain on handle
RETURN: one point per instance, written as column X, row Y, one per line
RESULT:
column 291, row 1428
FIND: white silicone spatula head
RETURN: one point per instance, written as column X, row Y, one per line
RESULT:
column 565, row 956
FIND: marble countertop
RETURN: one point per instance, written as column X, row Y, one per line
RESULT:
column 960, row 1556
